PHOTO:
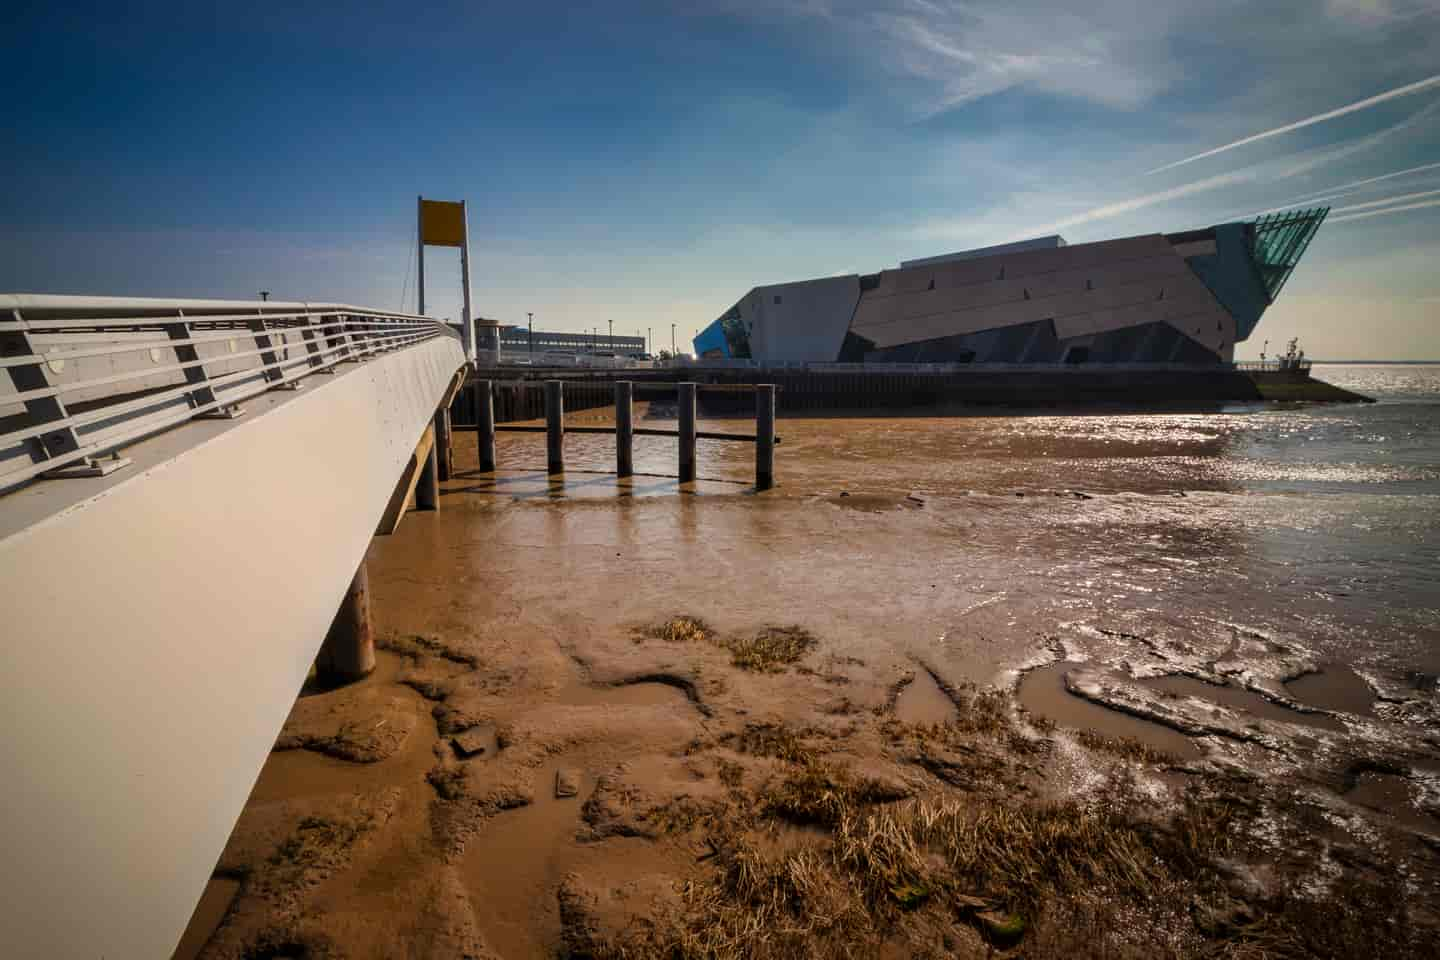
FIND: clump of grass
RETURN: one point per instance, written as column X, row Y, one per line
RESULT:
column 731, row 773
column 773, row 740
column 680, row 629
column 821, row 794
column 1127, row 748
column 772, row 649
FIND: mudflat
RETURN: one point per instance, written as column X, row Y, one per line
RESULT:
column 1041, row 685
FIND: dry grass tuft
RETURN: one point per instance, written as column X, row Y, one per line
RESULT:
column 774, row 740
column 680, row 629
column 1127, row 748
column 772, row 649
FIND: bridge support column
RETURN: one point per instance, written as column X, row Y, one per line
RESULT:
column 348, row 652
column 427, row 488
column 687, row 432
column 442, row 442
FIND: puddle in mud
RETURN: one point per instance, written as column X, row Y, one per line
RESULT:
column 648, row 694
column 922, row 701
column 1392, row 794
column 1335, row 687
column 1042, row 692
column 209, row 912
column 513, row 868
column 1243, row 700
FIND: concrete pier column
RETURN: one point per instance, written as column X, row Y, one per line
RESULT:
column 427, row 487
column 624, row 428
column 485, row 424
column 348, row 652
column 555, row 426
column 764, row 436
column 687, row 432
column 442, row 441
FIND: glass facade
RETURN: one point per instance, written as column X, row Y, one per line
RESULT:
column 1277, row 242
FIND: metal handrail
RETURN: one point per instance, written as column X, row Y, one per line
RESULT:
column 40, row 334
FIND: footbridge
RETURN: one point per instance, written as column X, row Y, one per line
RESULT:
column 187, row 491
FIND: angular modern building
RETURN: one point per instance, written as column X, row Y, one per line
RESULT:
column 1158, row 298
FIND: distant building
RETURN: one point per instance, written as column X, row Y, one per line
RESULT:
column 1180, row 298
column 515, row 343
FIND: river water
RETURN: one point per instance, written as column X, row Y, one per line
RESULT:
column 1316, row 524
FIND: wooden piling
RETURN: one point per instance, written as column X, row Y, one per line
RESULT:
column 485, row 425
column 555, row 426
column 764, row 436
column 686, row 393
column 348, row 652
column 624, row 427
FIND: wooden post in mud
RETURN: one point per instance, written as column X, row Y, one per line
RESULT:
column 764, row 436
column 348, row 652
column 555, row 426
column 485, row 425
column 427, row 488
column 624, row 428
column 442, row 441
column 687, row 432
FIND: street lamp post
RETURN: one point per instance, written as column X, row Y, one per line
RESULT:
column 612, row 335
column 264, row 295
column 649, row 341
column 530, row 323
column 672, row 340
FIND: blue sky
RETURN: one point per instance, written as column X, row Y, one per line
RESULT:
column 646, row 164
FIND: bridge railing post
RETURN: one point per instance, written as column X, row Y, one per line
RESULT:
column 764, row 436
column 687, row 432
column 555, row 426
column 485, row 424
column 624, row 428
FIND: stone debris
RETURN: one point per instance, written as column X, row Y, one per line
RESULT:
column 567, row 783
column 474, row 742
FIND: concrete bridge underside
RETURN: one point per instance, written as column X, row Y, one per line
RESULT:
column 159, row 623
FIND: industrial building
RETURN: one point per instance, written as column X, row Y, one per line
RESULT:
column 1157, row 298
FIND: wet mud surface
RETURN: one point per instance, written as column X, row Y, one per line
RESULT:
column 1056, row 611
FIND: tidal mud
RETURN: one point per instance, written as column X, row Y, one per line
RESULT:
column 1111, row 679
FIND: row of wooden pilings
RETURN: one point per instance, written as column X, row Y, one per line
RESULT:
column 625, row 430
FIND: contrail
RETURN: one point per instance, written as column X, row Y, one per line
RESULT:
column 1377, row 213
column 1387, row 201
column 1405, row 91
column 1347, row 187
column 1135, row 203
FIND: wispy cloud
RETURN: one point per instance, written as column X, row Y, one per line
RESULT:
column 1409, row 89
column 1380, row 213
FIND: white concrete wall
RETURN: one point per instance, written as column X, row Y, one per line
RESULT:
column 807, row 324
column 156, row 633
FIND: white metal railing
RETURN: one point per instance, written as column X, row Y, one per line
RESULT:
column 88, row 375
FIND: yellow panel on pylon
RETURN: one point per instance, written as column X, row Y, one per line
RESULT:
column 442, row 223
